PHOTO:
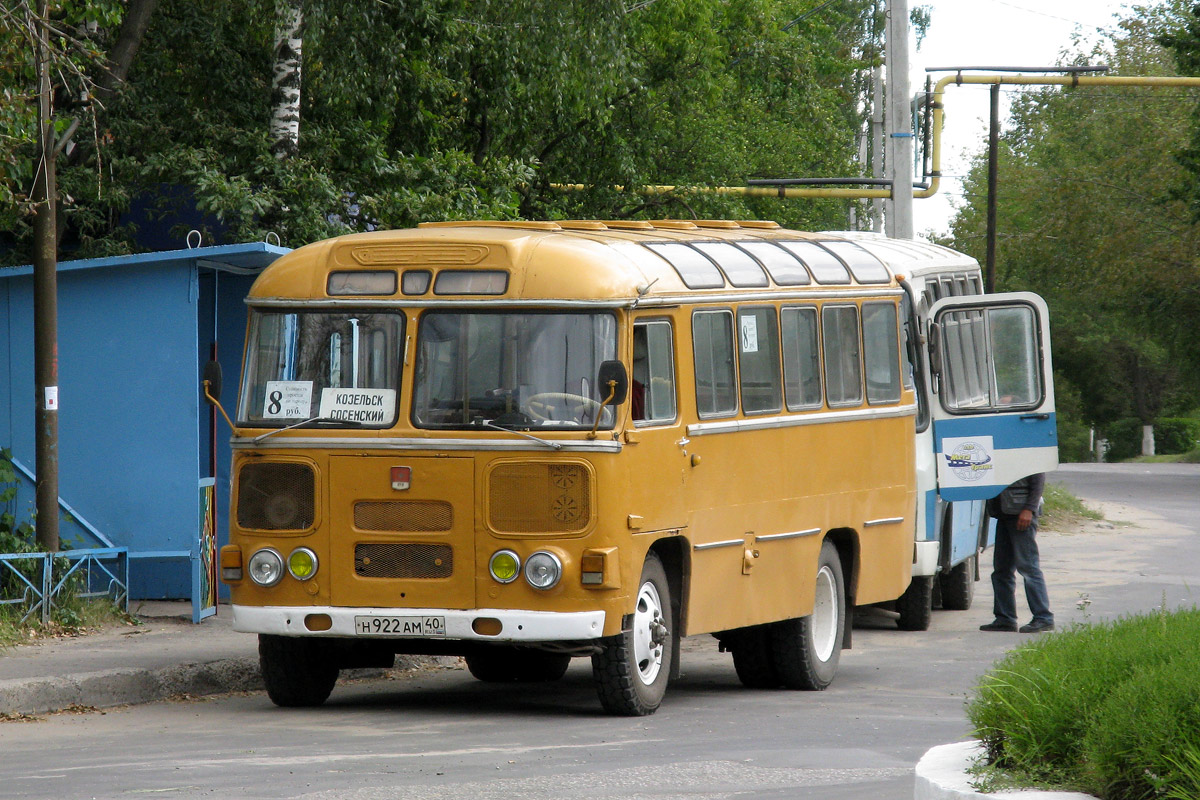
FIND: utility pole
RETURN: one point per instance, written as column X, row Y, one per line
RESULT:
column 45, row 299
column 899, row 121
column 989, row 267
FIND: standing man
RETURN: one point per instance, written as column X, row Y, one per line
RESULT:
column 1016, row 512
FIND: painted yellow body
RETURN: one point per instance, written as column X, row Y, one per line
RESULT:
column 738, row 513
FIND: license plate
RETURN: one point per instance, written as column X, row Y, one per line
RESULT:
column 400, row 626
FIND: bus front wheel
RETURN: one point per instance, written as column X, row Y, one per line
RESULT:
column 806, row 650
column 632, row 669
column 297, row 672
column 958, row 586
column 915, row 606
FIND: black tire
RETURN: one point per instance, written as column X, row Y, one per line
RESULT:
column 502, row 665
column 806, row 650
column 751, row 649
column 958, row 586
column 297, row 672
column 916, row 604
column 632, row 669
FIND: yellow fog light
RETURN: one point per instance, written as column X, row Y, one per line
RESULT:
column 505, row 566
column 302, row 563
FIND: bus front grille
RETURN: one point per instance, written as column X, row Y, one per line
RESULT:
column 531, row 498
column 276, row 496
column 403, row 560
column 404, row 515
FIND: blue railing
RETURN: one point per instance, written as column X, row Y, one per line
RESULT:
column 100, row 572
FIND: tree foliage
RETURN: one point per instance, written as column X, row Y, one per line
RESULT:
column 1087, row 218
column 453, row 109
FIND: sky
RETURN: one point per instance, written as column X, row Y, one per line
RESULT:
column 1022, row 33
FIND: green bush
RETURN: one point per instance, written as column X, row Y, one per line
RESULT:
column 1110, row 708
column 1124, row 439
column 1173, row 435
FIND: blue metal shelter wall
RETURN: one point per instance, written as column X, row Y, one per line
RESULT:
column 129, row 407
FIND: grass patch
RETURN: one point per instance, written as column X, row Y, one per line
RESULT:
column 1108, row 708
column 1063, row 509
column 75, row 617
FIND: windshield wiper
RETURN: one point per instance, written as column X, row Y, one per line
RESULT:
column 349, row 423
column 483, row 423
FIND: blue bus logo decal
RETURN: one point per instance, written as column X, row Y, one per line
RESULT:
column 970, row 461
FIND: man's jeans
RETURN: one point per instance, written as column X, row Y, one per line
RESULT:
column 1017, row 551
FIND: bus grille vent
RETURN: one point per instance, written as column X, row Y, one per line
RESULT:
column 404, row 515
column 539, row 498
column 395, row 560
column 276, row 496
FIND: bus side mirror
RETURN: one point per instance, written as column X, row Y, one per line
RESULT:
column 935, row 349
column 614, row 372
column 211, row 382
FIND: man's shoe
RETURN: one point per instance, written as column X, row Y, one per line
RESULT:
column 1002, row 627
column 1037, row 626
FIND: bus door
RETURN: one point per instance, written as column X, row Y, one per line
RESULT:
column 993, row 419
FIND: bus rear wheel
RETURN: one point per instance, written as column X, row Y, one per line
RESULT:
column 297, row 672
column 503, row 665
column 632, row 669
column 806, row 650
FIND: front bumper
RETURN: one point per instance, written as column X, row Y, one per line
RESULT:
column 516, row 625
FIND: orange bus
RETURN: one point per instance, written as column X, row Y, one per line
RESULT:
column 525, row 442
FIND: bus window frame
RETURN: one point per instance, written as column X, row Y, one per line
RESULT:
column 897, row 366
column 1037, row 366
column 735, row 385
column 858, row 401
column 773, row 313
column 655, row 422
column 820, row 371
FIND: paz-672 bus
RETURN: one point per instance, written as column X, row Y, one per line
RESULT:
column 525, row 442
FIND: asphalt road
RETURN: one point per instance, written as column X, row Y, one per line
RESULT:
column 441, row 734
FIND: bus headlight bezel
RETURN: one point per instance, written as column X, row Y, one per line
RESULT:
column 543, row 570
column 516, row 560
column 303, row 551
column 268, row 558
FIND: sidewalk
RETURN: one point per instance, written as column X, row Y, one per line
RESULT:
column 163, row 657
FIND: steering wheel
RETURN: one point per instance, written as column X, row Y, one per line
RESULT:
column 541, row 404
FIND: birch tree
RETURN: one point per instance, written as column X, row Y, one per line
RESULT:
column 285, row 83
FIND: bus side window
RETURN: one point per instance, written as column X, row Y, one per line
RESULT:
column 880, row 348
column 653, row 380
column 758, row 360
column 801, row 358
column 716, row 379
column 843, row 370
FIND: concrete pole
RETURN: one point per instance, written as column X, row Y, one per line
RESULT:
column 899, row 121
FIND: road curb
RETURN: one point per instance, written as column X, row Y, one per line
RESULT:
column 942, row 775
column 127, row 686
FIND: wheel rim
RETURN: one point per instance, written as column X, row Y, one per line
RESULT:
column 649, row 633
column 825, row 615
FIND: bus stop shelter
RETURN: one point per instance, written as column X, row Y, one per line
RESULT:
column 143, row 461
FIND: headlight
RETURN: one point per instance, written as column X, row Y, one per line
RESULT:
column 505, row 566
column 266, row 567
column 302, row 563
column 542, row 570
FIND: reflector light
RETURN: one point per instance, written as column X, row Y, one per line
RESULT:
column 401, row 478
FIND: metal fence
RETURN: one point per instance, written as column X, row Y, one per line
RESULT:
column 37, row 585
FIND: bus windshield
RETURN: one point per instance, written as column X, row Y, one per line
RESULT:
column 337, row 366
column 518, row 370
